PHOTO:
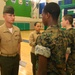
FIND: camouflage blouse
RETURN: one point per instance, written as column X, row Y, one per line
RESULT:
column 52, row 44
column 70, row 34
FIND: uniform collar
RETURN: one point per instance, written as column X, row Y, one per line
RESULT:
column 37, row 32
column 53, row 26
column 70, row 28
column 7, row 30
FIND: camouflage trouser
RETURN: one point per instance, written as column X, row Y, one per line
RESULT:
column 71, row 67
column 58, row 72
column 52, row 73
column 54, row 69
column 62, row 72
column 71, row 70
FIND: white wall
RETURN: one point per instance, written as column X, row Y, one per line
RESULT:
column 2, row 3
column 53, row 1
column 17, row 18
column 21, row 19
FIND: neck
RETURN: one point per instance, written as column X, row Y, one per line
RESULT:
column 37, row 31
column 53, row 23
column 68, row 27
column 9, row 25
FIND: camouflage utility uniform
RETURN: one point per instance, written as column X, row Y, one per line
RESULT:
column 70, row 33
column 52, row 44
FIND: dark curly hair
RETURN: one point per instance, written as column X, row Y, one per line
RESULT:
column 53, row 9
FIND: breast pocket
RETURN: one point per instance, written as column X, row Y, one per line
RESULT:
column 16, row 38
column 5, row 40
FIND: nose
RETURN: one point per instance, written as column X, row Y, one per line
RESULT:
column 39, row 27
column 13, row 16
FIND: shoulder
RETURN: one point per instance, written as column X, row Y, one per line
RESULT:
column 70, row 32
column 16, row 28
column 2, row 27
column 32, row 33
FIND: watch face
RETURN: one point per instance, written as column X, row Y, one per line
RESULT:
column 14, row 1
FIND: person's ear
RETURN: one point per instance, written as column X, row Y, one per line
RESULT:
column 67, row 21
column 48, row 15
column 3, row 15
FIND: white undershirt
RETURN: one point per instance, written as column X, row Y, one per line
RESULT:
column 10, row 29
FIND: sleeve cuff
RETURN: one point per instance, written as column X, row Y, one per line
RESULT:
column 45, row 51
column 68, row 50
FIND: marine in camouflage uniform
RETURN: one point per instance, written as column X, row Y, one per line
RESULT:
column 67, row 21
column 52, row 44
column 70, row 33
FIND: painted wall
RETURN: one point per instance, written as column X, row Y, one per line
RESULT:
column 24, row 23
column 53, row 1
column 2, row 3
column 17, row 18
column 22, row 8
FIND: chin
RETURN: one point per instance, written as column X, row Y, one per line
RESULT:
column 11, row 22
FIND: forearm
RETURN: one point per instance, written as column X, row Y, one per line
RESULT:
column 68, row 51
column 42, row 66
column 19, row 50
column 32, row 43
column 32, row 40
column 67, row 55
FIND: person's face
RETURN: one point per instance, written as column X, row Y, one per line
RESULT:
column 9, row 18
column 44, row 18
column 37, row 27
column 64, row 22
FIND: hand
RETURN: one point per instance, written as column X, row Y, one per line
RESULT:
column 65, row 69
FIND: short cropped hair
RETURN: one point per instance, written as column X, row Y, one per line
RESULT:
column 53, row 9
column 36, row 23
column 8, row 9
column 69, row 18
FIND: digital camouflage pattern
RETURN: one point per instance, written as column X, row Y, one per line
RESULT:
column 54, row 39
column 70, row 33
